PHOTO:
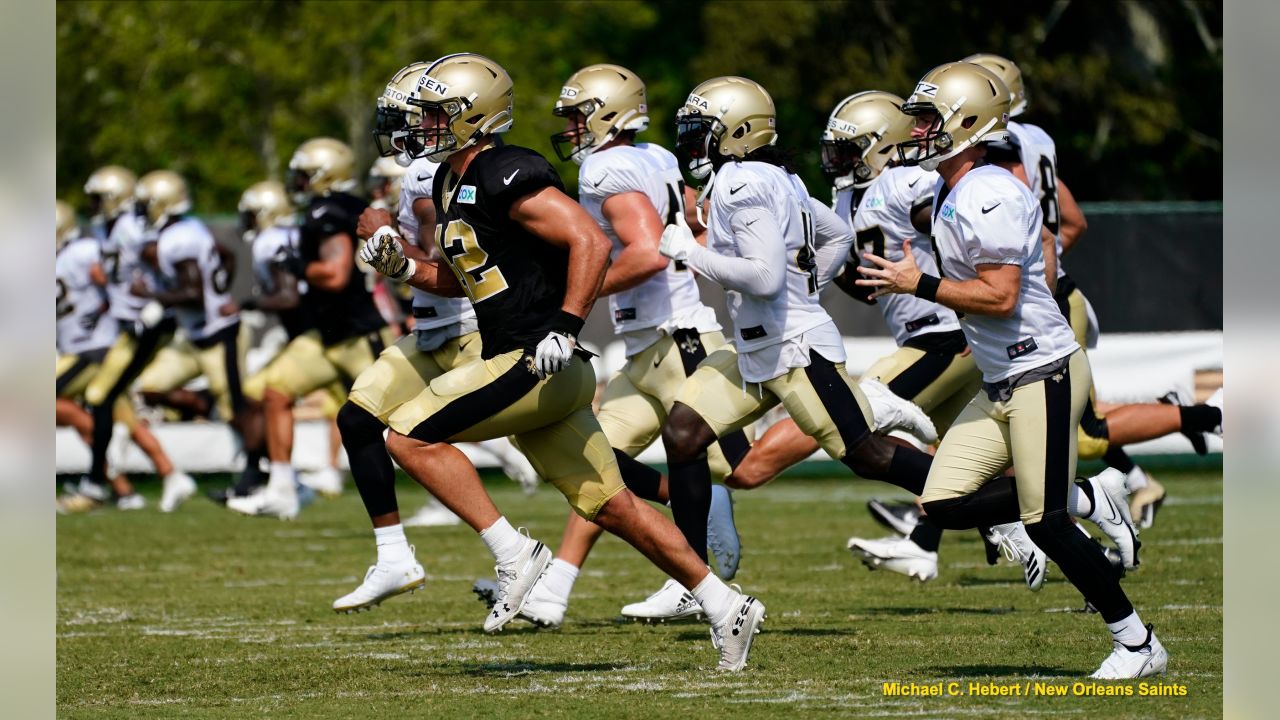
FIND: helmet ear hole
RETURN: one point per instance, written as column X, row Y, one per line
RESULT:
column 609, row 117
column 969, row 121
column 743, row 129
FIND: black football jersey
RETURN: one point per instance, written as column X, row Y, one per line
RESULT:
column 348, row 312
column 514, row 279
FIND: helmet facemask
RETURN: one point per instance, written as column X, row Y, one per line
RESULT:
column 395, row 132
column 576, row 144
column 935, row 144
column 439, row 142
column 842, row 161
column 695, row 135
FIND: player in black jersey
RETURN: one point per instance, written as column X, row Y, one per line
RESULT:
column 531, row 261
column 349, row 330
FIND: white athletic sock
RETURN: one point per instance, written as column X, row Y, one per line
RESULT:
column 281, row 477
column 1078, row 503
column 1136, row 479
column 503, row 540
column 1129, row 631
column 393, row 546
column 715, row 597
column 560, row 578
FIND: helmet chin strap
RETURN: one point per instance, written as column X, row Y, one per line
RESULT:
column 706, row 190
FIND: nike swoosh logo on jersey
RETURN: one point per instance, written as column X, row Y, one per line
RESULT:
column 507, row 180
column 913, row 183
column 749, row 222
column 320, row 211
column 734, row 190
column 986, row 210
column 423, row 178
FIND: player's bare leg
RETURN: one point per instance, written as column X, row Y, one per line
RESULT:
column 446, row 473
column 782, row 446
column 67, row 413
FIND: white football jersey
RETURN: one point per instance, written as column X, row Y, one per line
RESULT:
column 990, row 217
column 190, row 239
column 271, row 246
column 763, row 325
column 430, row 311
column 669, row 300
column 79, row 300
column 1040, row 160
column 122, row 264
column 882, row 222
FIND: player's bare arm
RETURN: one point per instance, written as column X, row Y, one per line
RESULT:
column 286, row 295
column 639, row 228
column 337, row 261
column 994, row 292
column 188, row 290
column 1073, row 223
column 558, row 220
column 97, row 275
column 425, row 272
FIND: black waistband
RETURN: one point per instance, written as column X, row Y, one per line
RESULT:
column 753, row 333
column 951, row 342
column 1064, row 288
column 424, row 313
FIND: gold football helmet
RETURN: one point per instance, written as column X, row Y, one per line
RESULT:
column 861, row 136
column 609, row 99
column 969, row 104
column 396, row 121
column 1007, row 71
column 724, row 117
column 384, row 184
column 161, row 195
column 464, row 98
column 264, row 204
column 66, row 226
column 110, row 192
column 321, row 166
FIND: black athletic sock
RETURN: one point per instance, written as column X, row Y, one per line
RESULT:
column 995, row 503
column 908, row 469
column 640, row 479
column 251, row 478
column 1083, row 563
column 371, row 468
column 1200, row 418
column 103, row 422
column 926, row 534
column 689, row 485
column 1117, row 458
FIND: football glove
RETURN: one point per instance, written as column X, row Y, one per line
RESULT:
column 383, row 253
column 151, row 314
column 554, row 353
column 677, row 240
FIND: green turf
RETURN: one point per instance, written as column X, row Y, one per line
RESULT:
column 202, row 614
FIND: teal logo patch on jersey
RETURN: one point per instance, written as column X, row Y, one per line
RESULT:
column 948, row 212
column 875, row 202
column 467, row 194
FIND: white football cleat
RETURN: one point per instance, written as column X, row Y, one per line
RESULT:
column 1017, row 546
column 132, row 501
column 178, row 488
column 1126, row 663
column 900, row 517
column 733, row 637
column 1145, row 501
column 270, row 501
column 433, row 514
column 671, row 602
column 1111, row 514
column 544, row 608
column 382, row 581
column 515, row 581
column 890, row 412
column 722, row 533
column 326, row 481
column 900, row 555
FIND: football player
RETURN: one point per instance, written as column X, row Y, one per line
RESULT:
column 1030, row 154
column 531, row 261
column 195, row 275
column 123, row 234
column 987, row 236
column 85, row 332
column 349, row 331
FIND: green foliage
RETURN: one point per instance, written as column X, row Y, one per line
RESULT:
column 224, row 91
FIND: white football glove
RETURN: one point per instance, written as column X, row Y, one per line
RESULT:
column 677, row 240
column 151, row 314
column 383, row 253
column 554, row 353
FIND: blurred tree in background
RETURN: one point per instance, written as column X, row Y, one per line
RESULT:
column 224, row 91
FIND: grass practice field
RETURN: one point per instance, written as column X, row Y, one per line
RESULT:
column 204, row 614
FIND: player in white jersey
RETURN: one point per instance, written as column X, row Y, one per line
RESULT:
column 1036, row 379
column 1030, row 154
column 631, row 190
column 110, row 192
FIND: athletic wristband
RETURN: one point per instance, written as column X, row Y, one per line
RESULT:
column 927, row 288
column 566, row 323
column 410, row 267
